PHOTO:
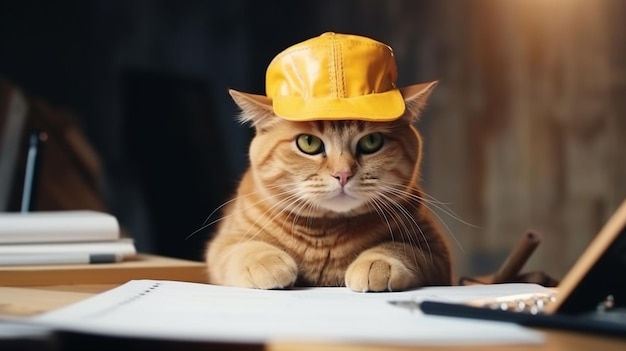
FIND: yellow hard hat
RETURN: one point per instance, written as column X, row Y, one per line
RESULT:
column 335, row 76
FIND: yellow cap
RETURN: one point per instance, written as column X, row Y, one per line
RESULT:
column 335, row 76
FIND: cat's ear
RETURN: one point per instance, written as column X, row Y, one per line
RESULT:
column 415, row 98
column 255, row 109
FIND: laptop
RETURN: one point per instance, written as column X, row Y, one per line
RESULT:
column 591, row 296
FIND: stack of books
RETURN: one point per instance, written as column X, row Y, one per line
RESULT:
column 62, row 237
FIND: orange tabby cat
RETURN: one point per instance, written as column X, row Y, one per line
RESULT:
column 330, row 202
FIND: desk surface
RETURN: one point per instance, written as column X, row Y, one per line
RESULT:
column 141, row 267
column 31, row 300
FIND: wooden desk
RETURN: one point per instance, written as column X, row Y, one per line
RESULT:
column 141, row 267
column 31, row 300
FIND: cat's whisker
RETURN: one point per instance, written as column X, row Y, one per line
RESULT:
column 268, row 214
column 427, row 198
column 312, row 207
column 219, row 208
column 381, row 213
column 236, row 198
column 291, row 198
column 293, row 212
column 400, row 192
column 206, row 224
column 409, row 233
column 444, row 207
column 417, row 227
column 302, row 204
column 233, row 213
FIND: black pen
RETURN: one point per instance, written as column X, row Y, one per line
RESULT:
column 31, row 176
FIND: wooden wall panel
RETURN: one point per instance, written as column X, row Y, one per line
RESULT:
column 542, row 127
column 527, row 129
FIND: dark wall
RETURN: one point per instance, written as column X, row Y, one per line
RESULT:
column 148, row 81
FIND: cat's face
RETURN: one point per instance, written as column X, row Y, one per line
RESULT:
column 336, row 166
column 321, row 167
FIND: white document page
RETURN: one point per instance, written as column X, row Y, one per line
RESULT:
column 202, row 312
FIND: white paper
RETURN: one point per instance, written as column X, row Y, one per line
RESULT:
column 67, row 253
column 57, row 226
column 124, row 247
column 202, row 312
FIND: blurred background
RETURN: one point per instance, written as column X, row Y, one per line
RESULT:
column 526, row 129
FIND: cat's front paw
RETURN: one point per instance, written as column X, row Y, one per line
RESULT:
column 377, row 273
column 262, row 266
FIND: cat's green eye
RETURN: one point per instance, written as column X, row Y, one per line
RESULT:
column 309, row 144
column 370, row 143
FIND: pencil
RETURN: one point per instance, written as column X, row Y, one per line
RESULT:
column 516, row 260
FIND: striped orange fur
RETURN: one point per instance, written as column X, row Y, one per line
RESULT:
column 349, row 215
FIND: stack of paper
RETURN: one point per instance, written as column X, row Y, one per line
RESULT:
column 62, row 237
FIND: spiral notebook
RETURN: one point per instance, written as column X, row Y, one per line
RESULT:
column 170, row 310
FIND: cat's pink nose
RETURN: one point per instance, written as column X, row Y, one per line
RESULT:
column 342, row 177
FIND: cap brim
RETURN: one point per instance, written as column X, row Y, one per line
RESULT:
column 381, row 107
